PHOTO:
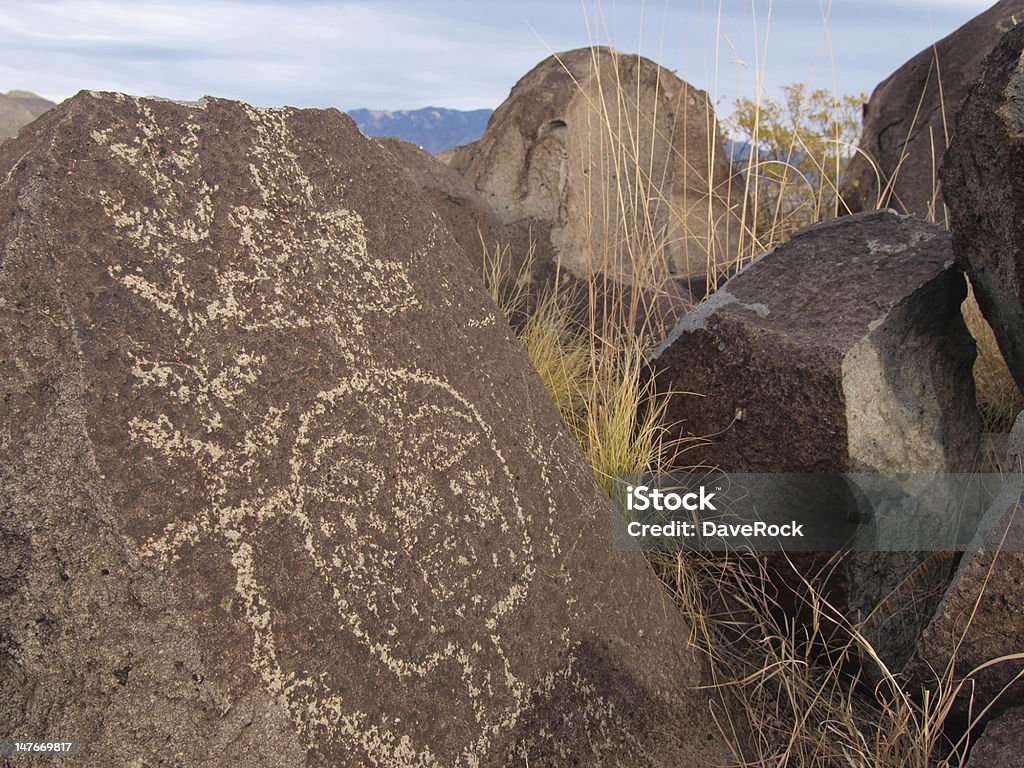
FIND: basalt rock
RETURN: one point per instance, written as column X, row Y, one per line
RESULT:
column 475, row 227
column 983, row 177
column 910, row 116
column 981, row 617
column 842, row 351
column 547, row 161
column 278, row 484
column 1001, row 744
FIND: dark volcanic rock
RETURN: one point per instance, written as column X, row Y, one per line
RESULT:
column 983, row 175
column 547, row 160
column 1002, row 743
column 981, row 616
column 841, row 351
column 472, row 223
column 908, row 120
column 277, row 481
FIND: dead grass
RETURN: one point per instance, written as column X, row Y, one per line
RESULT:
column 999, row 397
column 793, row 693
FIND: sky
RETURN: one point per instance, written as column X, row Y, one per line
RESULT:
column 462, row 54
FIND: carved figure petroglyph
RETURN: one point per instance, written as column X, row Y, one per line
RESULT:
column 401, row 554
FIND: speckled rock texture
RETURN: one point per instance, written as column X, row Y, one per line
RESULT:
column 473, row 224
column 910, row 117
column 981, row 616
column 279, row 487
column 983, row 175
column 843, row 350
column 547, row 162
column 1001, row 745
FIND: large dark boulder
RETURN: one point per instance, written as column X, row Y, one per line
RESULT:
column 842, row 351
column 279, row 487
column 910, row 116
column 983, row 175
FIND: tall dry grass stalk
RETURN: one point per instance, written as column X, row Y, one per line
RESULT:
column 793, row 693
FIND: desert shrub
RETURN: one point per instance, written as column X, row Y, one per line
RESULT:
column 793, row 153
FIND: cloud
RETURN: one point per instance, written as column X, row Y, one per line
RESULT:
column 391, row 54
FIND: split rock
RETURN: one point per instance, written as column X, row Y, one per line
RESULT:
column 983, row 177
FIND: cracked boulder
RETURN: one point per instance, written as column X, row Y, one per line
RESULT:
column 592, row 204
column 983, row 175
column 910, row 117
column 842, row 351
column 276, row 480
column 981, row 616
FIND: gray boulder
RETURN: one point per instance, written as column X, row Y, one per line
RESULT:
column 981, row 616
column 546, row 162
column 910, row 116
column 842, row 351
column 983, row 178
column 278, row 485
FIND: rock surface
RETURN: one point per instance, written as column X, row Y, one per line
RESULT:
column 842, row 351
column 1001, row 744
column 546, row 161
column 908, row 119
column 472, row 222
column 981, row 616
column 983, row 178
column 278, row 483
column 19, row 108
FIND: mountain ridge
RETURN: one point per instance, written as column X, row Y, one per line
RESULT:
column 433, row 128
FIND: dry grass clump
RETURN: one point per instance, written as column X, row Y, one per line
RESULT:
column 999, row 397
column 802, row 692
column 796, row 694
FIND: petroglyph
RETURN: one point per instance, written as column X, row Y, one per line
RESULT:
column 337, row 492
column 312, row 423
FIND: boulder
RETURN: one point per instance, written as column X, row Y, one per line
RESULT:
column 1001, row 745
column 842, row 351
column 909, row 118
column 983, row 179
column 981, row 616
column 473, row 224
column 277, row 480
column 596, row 204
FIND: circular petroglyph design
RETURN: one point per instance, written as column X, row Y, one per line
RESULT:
column 412, row 511
column 394, row 492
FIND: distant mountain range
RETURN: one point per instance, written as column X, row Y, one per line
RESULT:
column 433, row 128
column 18, row 108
